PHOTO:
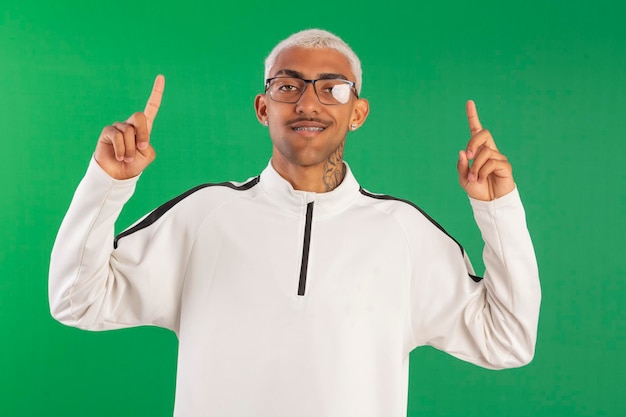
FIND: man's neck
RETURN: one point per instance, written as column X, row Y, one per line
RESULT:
column 320, row 178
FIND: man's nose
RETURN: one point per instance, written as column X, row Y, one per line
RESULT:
column 308, row 101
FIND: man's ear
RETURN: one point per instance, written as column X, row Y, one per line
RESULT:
column 260, row 107
column 360, row 112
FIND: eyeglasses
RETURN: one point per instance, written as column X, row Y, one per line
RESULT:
column 328, row 91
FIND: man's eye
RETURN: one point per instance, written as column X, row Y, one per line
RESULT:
column 324, row 87
column 328, row 87
column 287, row 87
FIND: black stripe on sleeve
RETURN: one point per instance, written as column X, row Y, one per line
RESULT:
column 437, row 225
column 475, row 278
column 164, row 208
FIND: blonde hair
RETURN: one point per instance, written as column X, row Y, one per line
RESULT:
column 317, row 38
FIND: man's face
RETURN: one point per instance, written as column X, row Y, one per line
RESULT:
column 307, row 133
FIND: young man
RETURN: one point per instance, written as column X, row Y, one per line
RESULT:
column 298, row 293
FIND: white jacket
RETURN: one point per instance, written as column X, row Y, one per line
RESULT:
column 296, row 304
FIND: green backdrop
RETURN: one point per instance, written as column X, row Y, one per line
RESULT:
column 549, row 80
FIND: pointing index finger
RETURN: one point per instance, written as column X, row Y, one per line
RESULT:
column 154, row 101
column 472, row 117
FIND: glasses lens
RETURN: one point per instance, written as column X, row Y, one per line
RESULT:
column 289, row 90
column 336, row 91
column 286, row 89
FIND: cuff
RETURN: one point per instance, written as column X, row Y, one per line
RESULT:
column 512, row 198
column 94, row 170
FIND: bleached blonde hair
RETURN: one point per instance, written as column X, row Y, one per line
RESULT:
column 317, row 38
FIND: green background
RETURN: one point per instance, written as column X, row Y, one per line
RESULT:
column 549, row 81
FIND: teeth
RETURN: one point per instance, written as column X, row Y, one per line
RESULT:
column 309, row 129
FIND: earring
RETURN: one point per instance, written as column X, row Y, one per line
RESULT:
column 266, row 123
column 353, row 126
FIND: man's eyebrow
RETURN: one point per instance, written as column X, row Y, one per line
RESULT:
column 331, row 76
column 296, row 74
column 289, row 73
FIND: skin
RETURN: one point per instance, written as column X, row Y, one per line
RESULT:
column 124, row 150
column 489, row 176
column 310, row 161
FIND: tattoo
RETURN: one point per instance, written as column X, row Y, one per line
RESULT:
column 334, row 169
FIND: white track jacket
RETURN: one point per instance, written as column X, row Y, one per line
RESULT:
column 296, row 304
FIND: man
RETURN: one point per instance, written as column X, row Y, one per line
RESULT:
column 298, row 293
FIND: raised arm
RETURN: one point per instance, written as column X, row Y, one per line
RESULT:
column 91, row 285
column 488, row 320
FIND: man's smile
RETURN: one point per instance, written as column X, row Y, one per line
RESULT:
column 308, row 126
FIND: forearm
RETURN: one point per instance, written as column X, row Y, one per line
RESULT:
column 79, row 265
column 511, row 282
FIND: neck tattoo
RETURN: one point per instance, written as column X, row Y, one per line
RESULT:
column 334, row 169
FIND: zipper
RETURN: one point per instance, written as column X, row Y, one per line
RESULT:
column 304, row 265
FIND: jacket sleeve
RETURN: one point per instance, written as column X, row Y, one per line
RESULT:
column 490, row 322
column 94, row 287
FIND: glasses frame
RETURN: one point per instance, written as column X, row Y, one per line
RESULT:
column 306, row 83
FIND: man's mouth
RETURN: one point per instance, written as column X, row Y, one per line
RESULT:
column 308, row 128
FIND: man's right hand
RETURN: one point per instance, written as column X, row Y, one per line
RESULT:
column 124, row 149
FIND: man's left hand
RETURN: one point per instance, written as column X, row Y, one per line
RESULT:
column 490, row 175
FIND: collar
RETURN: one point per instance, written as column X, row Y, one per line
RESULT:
column 281, row 192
